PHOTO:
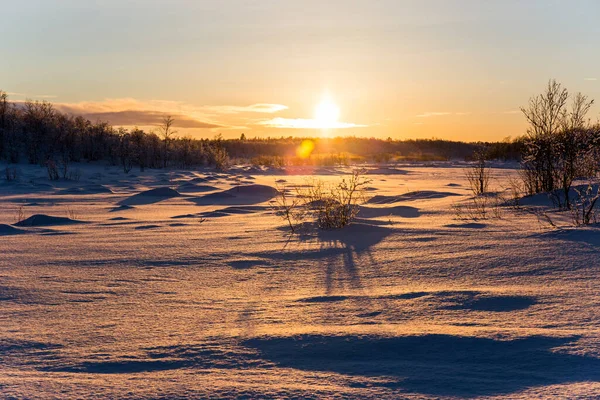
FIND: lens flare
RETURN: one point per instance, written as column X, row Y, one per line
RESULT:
column 305, row 149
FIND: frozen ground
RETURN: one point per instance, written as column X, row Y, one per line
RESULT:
column 109, row 291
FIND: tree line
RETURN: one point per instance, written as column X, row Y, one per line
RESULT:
column 36, row 132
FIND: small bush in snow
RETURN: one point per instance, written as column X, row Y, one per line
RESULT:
column 52, row 170
column 478, row 175
column 331, row 207
column 583, row 205
column 74, row 175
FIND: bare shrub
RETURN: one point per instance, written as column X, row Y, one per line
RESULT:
column 19, row 215
column 583, row 208
column 475, row 209
column 516, row 190
column 52, row 170
column 71, row 213
column 289, row 208
column 338, row 206
column 332, row 207
column 478, row 175
column 268, row 161
column 11, row 173
column 478, row 208
column 218, row 157
column 63, row 165
column 74, row 175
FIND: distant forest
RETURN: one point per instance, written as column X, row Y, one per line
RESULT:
column 37, row 133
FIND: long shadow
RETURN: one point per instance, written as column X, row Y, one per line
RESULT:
column 440, row 365
column 356, row 238
column 354, row 241
column 197, row 356
column 419, row 195
column 589, row 235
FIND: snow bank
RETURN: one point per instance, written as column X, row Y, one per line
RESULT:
column 47, row 220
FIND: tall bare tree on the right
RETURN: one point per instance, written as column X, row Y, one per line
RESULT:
column 562, row 145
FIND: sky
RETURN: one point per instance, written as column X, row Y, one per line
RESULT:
column 450, row 69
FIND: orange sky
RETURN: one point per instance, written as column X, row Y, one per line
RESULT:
column 453, row 69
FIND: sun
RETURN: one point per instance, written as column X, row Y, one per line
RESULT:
column 327, row 113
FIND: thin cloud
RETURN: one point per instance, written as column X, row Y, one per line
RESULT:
column 590, row 79
column 132, row 112
column 35, row 96
column 441, row 114
column 301, row 123
column 433, row 114
column 147, row 118
column 253, row 108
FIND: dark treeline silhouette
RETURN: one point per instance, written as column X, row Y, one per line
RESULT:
column 36, row 132
column 357, row 149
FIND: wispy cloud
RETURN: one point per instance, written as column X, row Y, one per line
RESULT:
column 440, row 114
column 590, row 79
column 253, row 108
column 301, row 123
column 433, row 114
column 33, row 96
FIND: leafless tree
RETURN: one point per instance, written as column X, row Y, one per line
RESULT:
column 167, row 134
column 546, row 112
column 3, row 119
column 559, row 142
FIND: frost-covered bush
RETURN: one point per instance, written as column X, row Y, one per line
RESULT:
column 561, row 145
column 331, row 207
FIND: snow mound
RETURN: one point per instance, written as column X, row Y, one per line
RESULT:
column 47, row 220
column 202, row 179
column 254, row 190
column 240, row 195
column 192, row 187
column 218, row 196
column 88, row 189
column 6, row 230
column 121, row 208
column 233, row 211
column 159, row 192
column 151, row 196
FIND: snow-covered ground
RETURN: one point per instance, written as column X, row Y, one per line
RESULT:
column 196, row 289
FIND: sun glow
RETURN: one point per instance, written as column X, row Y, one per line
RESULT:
column 327, row 114
column 326, row 118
